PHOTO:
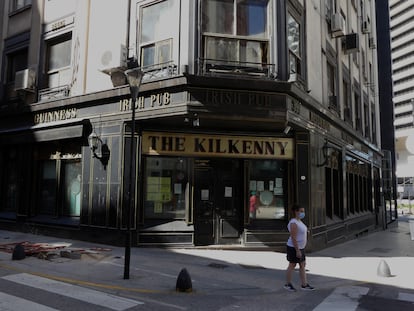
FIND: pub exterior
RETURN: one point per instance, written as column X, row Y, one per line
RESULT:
column 224, row 143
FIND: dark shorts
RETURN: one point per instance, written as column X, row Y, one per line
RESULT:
column 291, row 255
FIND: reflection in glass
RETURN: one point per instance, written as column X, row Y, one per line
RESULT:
column 218, row 16
column 267, row 199
column 48, row 185
column 72, row 186
column 251, row 18
column 221, row 49
column 60, row 54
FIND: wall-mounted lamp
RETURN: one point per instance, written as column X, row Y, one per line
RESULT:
column 325, row 153
column 194, row 120
column 287, row 129
column 103, row 154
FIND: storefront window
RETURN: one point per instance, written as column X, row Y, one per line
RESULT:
column 48, row 185
column 59, row 185
column 267, row 189
column 72, row 186
column 166, row 188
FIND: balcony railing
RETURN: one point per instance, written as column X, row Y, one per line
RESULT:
column 54, row 93
column 214, row 66
column 159, row 71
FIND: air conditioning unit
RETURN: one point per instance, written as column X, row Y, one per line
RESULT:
column 114, row 59
column 366, row 27
column 25, row 80
column 350, row 43
column 372, row 43
column 337, row 25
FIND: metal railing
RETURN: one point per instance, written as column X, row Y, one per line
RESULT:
column 216, row 66
column 54, row 93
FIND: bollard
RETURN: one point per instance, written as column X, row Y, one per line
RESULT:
column 184, row 283
column 383, row 269
column 18, row 252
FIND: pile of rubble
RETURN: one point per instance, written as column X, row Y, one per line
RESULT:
column 47, row 251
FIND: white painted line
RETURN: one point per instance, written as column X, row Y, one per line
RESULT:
column 80, row 293
column 343, row 299
column 12, row 303
column 406, row 297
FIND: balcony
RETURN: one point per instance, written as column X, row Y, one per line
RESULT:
column 236, row 56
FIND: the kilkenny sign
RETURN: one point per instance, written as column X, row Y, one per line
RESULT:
column 202, row 145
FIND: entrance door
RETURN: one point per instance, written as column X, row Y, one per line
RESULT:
column 218, row 209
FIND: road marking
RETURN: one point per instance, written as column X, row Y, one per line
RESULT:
column 10, row 303
column 343, row 299
column 406, row 297
column 80, row 293
column 82, row 283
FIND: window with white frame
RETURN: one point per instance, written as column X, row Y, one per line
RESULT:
column 18, row 4
column 235, row 32
column 59, row 60
column 159, row 26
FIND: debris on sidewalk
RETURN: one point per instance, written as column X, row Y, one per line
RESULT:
column 32, row 249
column 49, row 251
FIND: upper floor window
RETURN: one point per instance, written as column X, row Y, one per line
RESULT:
column 58, row 70
column 235, row 34
column 59, row 53
column 293, row 40
column 16, row 61
column 159, row 26
column 18, row 4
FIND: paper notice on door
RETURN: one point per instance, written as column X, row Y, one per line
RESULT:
column 177, row 189
column 205, row 194
column 228, row 192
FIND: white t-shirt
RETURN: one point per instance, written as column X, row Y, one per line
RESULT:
column 302, row 233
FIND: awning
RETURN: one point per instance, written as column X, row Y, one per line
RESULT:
column 67, row 129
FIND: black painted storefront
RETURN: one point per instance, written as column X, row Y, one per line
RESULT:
column 209, row 190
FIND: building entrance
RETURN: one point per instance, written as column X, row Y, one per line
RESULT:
column 218, row 203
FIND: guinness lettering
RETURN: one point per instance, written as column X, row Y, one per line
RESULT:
column 215, row 145
column 58, row 115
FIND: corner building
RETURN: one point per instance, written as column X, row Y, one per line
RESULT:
column 245, row 108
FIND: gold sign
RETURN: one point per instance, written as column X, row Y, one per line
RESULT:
column 57, row 115
column 201, row 145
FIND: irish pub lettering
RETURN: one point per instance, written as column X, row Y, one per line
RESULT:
column 226, row 146
column 155, row 100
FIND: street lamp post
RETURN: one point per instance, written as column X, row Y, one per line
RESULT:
column 134, row 78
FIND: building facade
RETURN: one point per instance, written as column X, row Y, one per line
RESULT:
column 401, row 14
column 245, row 108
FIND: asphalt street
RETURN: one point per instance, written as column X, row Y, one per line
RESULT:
column 346, row 277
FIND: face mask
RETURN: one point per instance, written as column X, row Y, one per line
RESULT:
column 301, row 215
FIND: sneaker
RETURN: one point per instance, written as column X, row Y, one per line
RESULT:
column 289, row 287
column 308, row 287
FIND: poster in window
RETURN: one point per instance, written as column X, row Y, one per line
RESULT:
column 253, row 185
column 228, row 192
column 260, row 185
column 271, row 185
column 157, row 207
column 205, row 194
column 178, row 189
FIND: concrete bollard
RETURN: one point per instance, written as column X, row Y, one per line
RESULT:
column 383, row 269
column 18, row 252
column 184, row 283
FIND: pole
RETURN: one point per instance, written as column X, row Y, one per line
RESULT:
column 131, row 194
